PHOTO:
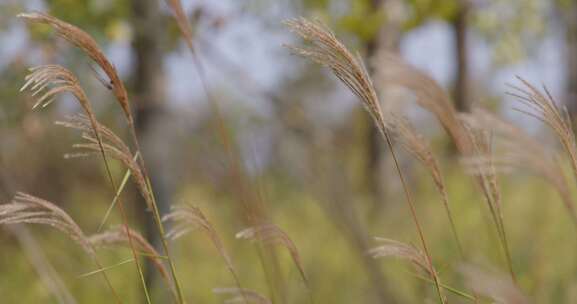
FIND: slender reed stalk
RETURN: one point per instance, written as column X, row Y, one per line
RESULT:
column 88, row 45
column 188, row 218
column 252, row 205
column 417, row 145
column 328, row 51
column 484, row 170
column 57, row 79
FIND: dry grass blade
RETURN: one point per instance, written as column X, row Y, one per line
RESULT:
column 118, row 236
column 499, row 288
column 272, row 235
column 392, row 248
column 112, row 145
column 392, row 69
column 542, row 106
column 86, row 43
column 328, row 51
column 240, row 295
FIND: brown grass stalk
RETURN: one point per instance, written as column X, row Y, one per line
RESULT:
column 417, row 145
column 328, row 51
column 88, row 45
column 251, row 203
column 55, row 79
column 482, row 160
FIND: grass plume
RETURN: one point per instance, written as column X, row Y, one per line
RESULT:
column 328, row 51
column 88, row 45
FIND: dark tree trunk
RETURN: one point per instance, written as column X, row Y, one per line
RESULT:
column 571, row 42
column 148, row 91
column 460, row 26
column 387, row 38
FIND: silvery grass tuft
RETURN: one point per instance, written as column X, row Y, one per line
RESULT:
column 521, row 151
column 541, row 105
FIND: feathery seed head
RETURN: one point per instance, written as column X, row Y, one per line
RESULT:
column 88, row 45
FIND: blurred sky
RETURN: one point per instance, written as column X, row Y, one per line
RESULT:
column 251, row 48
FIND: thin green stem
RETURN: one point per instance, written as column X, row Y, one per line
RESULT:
column 413, row 213
column 124, row 218
column 447, row 287
column 164, row 242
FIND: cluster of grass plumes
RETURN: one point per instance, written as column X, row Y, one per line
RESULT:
column 328, row 51
column 62, row 80
column 86, row 43
column 486, row 142
column 112, row 145
column 52, row 80
column 521, row 151
column 543, row 107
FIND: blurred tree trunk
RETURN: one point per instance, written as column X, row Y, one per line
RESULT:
column 148, row 91
column 387, row 38
column 460, row 27
column 570, row 16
